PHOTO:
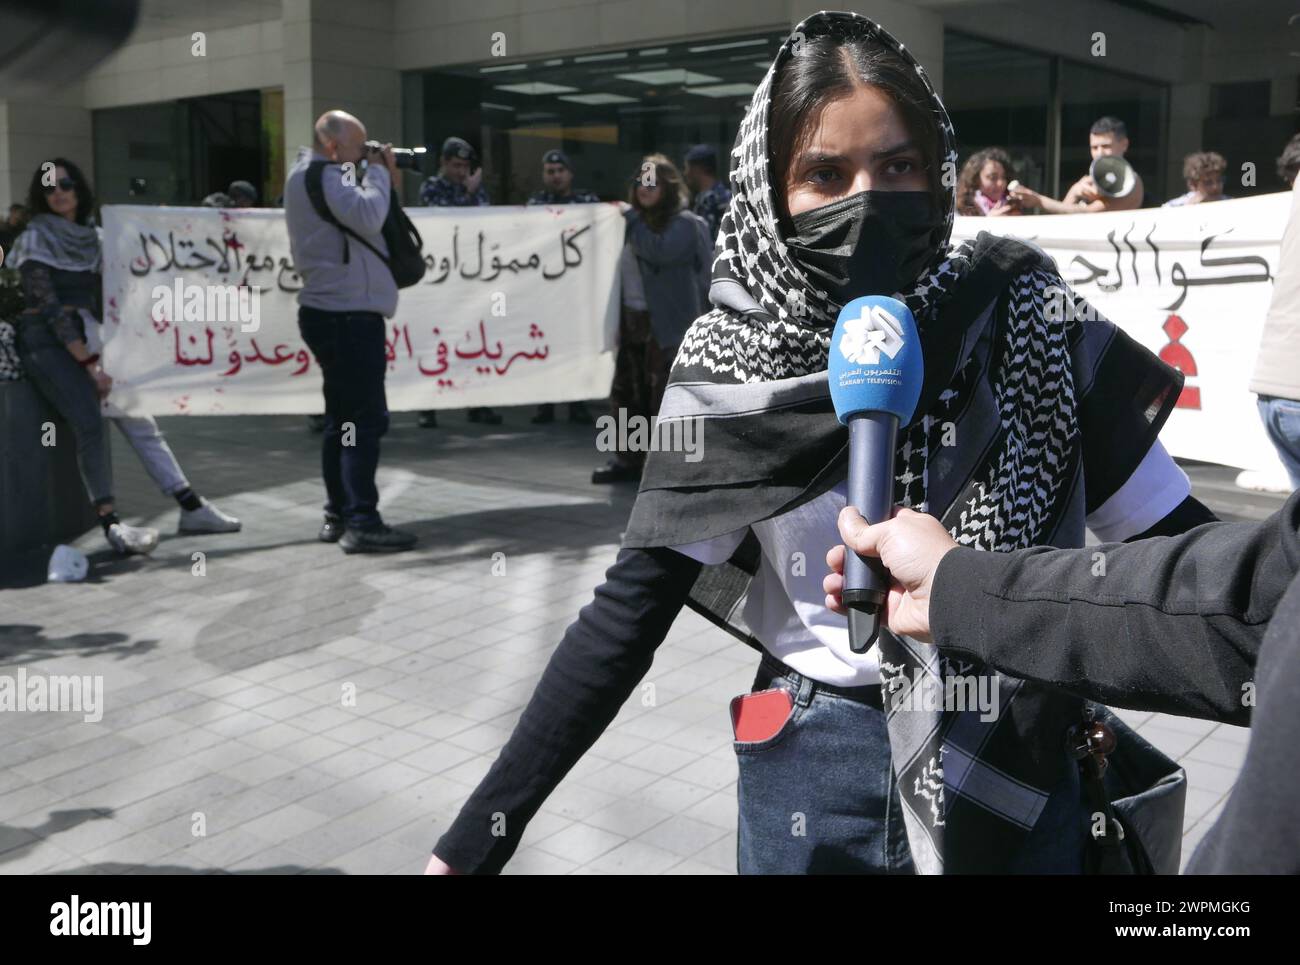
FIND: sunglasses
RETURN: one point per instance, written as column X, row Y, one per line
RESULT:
column 64, row 184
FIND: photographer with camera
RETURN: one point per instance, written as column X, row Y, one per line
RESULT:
column 347, row 291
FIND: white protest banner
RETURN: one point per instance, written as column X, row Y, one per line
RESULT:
column 518, row 305
column 1193, row 285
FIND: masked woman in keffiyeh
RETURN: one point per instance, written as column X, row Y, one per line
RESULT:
column 1037, row 418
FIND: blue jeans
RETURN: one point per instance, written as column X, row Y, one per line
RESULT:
column 70, row 391
column 349, row 348
column 1282, row 423
column 820, row 796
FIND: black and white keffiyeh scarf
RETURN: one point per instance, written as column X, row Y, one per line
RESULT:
column 1014, row 387
column 59, row 243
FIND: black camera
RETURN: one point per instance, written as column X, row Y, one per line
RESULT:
column 407, row 158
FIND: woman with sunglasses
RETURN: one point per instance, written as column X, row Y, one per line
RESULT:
column 59, row 259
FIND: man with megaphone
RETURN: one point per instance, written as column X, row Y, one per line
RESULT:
column 1111, row 183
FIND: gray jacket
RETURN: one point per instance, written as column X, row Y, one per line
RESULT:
column 364, row 284
column 675, row 268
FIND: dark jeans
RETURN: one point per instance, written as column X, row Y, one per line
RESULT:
column 349, row 348
column 820, row 796
column 69, row 390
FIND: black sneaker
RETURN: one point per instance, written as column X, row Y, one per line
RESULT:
column 615, row 471
column 429, row 419
column 331, row 529
column 485, row 415
column 545, row 414
column 380, row 539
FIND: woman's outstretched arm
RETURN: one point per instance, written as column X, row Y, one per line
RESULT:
column 602, row 657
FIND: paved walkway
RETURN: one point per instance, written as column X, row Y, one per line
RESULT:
column 225, row 706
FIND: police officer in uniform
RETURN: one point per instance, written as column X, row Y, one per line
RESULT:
column 711, row 196
column 557, row 176
column 458, row 184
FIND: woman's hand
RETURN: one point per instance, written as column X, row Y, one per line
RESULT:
column 911, row 546
column 103, row 381
column 1027, row 197
column 437, row 866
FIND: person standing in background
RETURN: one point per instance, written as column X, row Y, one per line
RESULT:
column 458, row 184
column 242, row 194
column 664, row 270
column 346, row 294
column 982, row 185
column 557, row 176
column 1203, row 174
column 59, row 257
column 1108, row 137
column 13, row 226
column 711, row 195
column 1276, row 379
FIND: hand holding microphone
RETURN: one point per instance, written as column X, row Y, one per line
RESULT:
column 910, row 546
column 875, row 372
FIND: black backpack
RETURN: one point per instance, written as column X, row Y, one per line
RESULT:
column 405, row 246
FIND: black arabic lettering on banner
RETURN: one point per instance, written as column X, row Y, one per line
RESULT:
column 1178, row 276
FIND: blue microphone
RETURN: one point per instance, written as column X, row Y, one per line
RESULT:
column 875, row 374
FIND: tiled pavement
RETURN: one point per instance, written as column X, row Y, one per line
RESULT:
column 224, row 692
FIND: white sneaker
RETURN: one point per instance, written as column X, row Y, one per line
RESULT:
column 207, row 519
column 132, row 539
column 1264, row 482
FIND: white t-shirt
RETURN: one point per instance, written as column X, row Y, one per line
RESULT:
column 786, row 606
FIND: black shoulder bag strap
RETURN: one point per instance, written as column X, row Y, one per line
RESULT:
column 316, row 192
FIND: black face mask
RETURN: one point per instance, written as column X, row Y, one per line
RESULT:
column 871, row 243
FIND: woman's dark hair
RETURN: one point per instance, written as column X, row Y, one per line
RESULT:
column 36, row 199
column 830, row 66
column 968, row 182
column 672, row 197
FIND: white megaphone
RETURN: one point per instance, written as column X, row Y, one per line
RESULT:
column 1114, row 177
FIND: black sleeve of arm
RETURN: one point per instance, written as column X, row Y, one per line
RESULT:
column 1187, row 515
column 1167, row 624
column 602, row 657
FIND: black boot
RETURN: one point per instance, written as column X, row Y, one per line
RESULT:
column 331, row 529
column 379, row 539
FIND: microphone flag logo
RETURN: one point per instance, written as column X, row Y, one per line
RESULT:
column 873, row 332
